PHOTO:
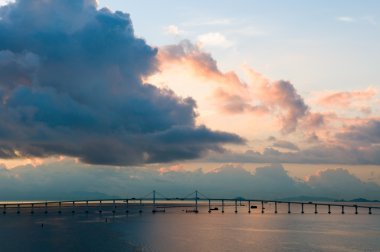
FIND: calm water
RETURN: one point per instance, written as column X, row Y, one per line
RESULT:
column 176, row 230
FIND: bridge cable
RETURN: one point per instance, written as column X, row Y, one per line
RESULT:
column 186, row 197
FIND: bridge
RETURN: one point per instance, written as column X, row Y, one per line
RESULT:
column 157, row 202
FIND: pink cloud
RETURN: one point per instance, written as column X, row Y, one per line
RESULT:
column 201, row 63
column 281, row 98
column 173, row 168
column 346, row 99
column 319, row 136
column 261, row 96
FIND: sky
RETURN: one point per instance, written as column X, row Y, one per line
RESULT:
column 275, row 99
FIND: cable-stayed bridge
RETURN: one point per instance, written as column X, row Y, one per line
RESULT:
column 192, row 202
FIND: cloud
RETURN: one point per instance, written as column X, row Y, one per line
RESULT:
column 202, row 63
column 17, row 68
column 285, row 145
column 5, row 2
column 370, row 19
column 363, row 135
column 71, row 84
column 363, row 19
column 346, row 19
column 260, row 96
column 318, row 134
column 214, row 39
column 349, row 99
column 314, row 120
column 173, row 30
column 320, row 153
column 282, row 97
column 70, row 180
column 339, row 183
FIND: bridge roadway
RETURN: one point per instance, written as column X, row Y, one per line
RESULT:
column 166, row 202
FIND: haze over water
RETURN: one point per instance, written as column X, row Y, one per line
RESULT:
column 176, row 230
column 108, row 99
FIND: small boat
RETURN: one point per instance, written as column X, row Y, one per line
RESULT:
column 253, row 207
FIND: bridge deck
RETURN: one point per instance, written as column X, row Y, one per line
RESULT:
column 188, row 201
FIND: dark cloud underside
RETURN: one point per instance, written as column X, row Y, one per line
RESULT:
column 70, row 84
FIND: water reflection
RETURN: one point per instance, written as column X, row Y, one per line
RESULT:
column 177, row 231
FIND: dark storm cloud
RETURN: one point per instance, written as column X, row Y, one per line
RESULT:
column 70, row 84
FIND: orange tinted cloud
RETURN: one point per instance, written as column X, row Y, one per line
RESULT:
column 261, row 96
column 281, row 98
column 315, row 133
column 346, row 99
column 200, row 63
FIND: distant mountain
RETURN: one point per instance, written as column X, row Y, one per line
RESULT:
column 308, row 198
column 325, row 199
column 54, row 195
column 362, row 200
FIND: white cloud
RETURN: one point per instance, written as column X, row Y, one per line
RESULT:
column 370, row 19
column 214, row 39
column 173, row 30
column 5, row 2
column 346, row 19
column 363, row 19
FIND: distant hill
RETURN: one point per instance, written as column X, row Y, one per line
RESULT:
column 325, row 199
column 308, row 198
column 362, row 200
column 52, row 196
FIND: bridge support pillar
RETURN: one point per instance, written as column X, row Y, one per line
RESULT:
column 154, row 202
column 302, row 211
column 262, row 207
column 196, row 202
column 222, row 206
column 249, row 206
column 289, row 208
column 369, row 210
column 127, row 206
column 18, row 208
column 73, row 210
column 356, row 209
column 329, row 209
column 87, row 210
column 236, row 206
column 140, row 211
column 32, row 210
column 59, row 207
column 342, row 209
column 46, row 207
column 114, row 207
column 4, row 209
column 316, row 208
column 100, row 207
column 275, row 207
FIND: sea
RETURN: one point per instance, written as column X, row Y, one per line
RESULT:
column 180, row 229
